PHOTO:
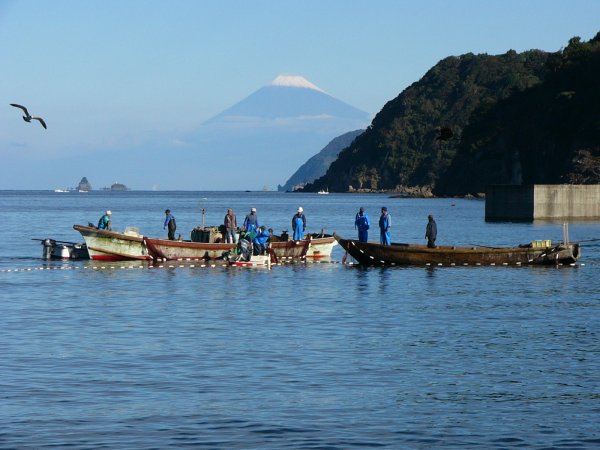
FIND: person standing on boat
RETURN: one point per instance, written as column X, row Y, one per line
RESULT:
column 363, row 223
column 299, row 224
column 431, row 232
column 260, row 241
column 105, row 222
column 230, row 223
column 170, row 224
column 251, row 223
column 385, row 223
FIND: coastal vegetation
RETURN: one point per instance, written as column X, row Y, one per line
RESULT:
column 474, row 120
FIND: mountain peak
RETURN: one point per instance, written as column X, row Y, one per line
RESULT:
column 294, row 81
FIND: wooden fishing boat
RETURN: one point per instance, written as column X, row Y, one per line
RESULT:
column 105, row 245
column 315, row 246
column 535, row 253
column 174, row 250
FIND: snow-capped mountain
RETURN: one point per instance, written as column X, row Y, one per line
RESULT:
column 259, row 141
column 273, row 131
column 286, row 98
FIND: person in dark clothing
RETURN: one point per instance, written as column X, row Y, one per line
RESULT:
column 170, row 224
column 230, row 223
column 431, row 232
column 363, row 223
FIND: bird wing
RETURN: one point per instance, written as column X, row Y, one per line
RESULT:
column 41, row 121
column 22, row 107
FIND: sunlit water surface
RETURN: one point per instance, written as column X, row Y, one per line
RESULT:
column 304, row 356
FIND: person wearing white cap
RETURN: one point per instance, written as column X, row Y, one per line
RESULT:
column 251, row 222
column 105, row 221
column 299, row 224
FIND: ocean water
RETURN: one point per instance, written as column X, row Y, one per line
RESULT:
column 303, row 356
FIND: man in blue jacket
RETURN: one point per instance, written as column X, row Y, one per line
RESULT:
column 170, row 223
column 363, row 223
column 105, row 221
column 260, row 241
column 299, row 224
column 385, row 223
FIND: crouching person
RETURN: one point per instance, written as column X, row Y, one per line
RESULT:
column 260, row 241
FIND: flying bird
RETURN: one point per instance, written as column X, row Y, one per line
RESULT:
column 27, row 117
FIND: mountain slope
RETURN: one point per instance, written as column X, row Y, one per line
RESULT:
column 476, row 120
column 547, row 134
column 413, row 139
column 317, row 166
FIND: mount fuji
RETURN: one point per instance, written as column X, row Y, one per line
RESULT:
column 257, row 143
column 289, row 98
column 263, row 139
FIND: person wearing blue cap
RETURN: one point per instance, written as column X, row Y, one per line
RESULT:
column 385, row 223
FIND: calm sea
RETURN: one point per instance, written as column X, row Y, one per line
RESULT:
column 304, row 356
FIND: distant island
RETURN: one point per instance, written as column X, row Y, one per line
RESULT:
column 84, row 185
column 116, row 187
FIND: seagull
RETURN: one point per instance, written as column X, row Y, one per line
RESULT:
column 27, row 117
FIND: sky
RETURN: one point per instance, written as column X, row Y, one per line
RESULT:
column 113, row 73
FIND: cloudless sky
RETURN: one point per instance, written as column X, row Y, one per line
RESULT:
column 111, row 72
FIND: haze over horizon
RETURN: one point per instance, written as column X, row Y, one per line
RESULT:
column 113, row 77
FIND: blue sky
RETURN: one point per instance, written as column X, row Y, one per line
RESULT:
column 108, row 73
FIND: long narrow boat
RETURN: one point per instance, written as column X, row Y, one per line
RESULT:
column 104, row 245
column 314, row 247
column 172, row 250
column 370, row 253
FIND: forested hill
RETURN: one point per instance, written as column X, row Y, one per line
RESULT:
column 466, row 122
column 544, row 135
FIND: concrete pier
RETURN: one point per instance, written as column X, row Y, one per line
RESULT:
column 542, row 201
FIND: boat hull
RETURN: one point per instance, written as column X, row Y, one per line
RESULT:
column 104, row 245
column 313, row 248
column 174, row 250
column 370, row 253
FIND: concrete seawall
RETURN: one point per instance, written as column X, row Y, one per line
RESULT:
column 542, row 201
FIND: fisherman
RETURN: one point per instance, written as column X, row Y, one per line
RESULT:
column 251, row 222
column 105, row 222
column 170, row 223
column 385, row 223
column 299, row 224
column 431, row 232
column 260, row 241
column 363, row 223
column 230, row 223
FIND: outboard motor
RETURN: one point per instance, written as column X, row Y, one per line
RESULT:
column 284, row 236
column 48, row 248
column 245, row 249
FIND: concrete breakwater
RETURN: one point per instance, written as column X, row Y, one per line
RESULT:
column 542, row 201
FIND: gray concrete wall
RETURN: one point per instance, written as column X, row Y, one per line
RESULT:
column 542, row 201
column 558, row 201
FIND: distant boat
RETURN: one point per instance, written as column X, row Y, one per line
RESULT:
column 61, row 190
column 323, row 192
